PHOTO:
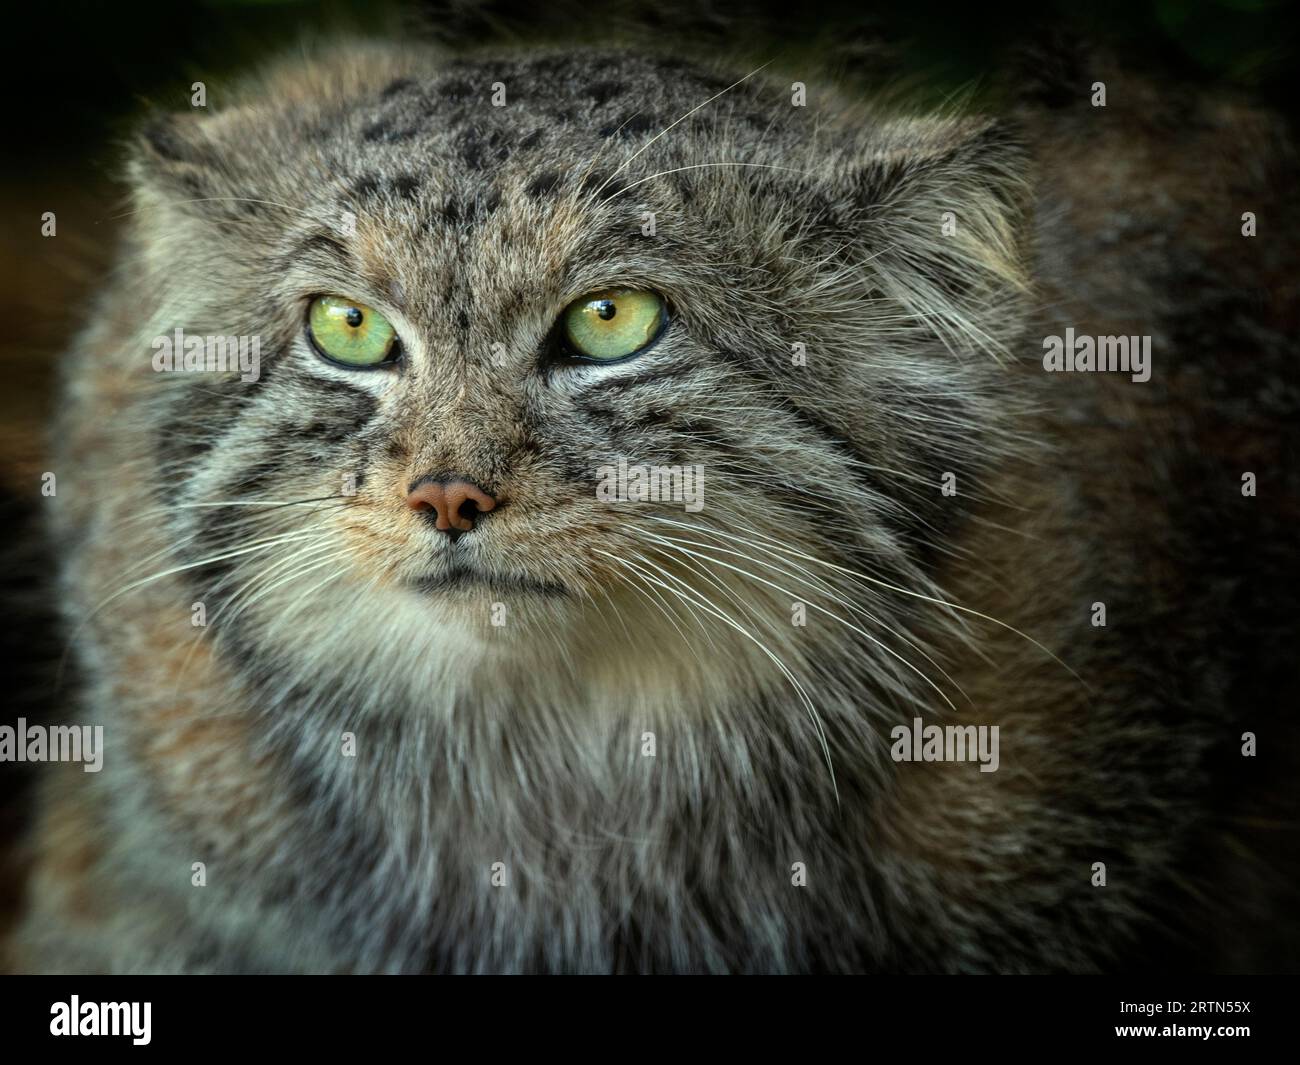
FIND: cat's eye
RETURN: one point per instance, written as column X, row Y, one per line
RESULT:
column 348, row 332
column 613, row 324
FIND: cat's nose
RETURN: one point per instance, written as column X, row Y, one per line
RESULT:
column 455, row 503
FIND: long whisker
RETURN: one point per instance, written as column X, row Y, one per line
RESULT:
column 946, row 604
column 605, row 146
column 655, row 602
column 700, row 166
column 820, row 609
column 687, row 592
column 305, row 595
column 626, row 162
column 310, row 551
column 76, row 633
column 298, row 572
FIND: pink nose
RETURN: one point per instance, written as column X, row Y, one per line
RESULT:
column 456, row 503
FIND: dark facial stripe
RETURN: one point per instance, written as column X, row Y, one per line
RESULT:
column 822, row 430
column 320, row 246
column 649, row 377
column 328, row 389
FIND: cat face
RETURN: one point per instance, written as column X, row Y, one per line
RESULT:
column 438, row 452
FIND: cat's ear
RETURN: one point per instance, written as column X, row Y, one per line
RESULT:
column 943, row 215
column 190, row 158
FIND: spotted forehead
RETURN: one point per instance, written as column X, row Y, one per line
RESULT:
column 481, row 116
column 602, row 95
column 459, row 175
column 448, row 148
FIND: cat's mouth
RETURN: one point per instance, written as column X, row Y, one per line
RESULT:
column 460, row 577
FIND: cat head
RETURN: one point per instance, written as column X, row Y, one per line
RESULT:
column 498, row 302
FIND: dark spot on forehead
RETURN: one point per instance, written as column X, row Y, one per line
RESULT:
column 394, row 87
column 448, row 214
column 592, row 182
column 604, row 91
column 406, row 186
column 469, row 211
column 629, row 126
column 602, row 186
column 543, row 184
column 388, row 131
column 366, row 185
column 532, row 140
column 479, row 149
column 457, row 90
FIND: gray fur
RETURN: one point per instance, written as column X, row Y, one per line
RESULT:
column 521, row 744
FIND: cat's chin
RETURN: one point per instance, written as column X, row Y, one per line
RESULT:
column 489, row 610
column 469, row 584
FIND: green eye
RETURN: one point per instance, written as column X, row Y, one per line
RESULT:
column 614, row 323
column 350, row 332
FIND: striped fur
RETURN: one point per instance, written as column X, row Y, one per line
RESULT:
column 522, row 744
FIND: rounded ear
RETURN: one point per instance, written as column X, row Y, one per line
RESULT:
column 189, row 163
column 945, row 207
column 175, row 139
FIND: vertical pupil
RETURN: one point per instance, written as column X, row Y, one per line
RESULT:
column 605, row 310
column 354, row 317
